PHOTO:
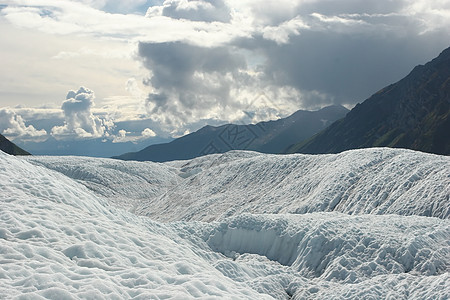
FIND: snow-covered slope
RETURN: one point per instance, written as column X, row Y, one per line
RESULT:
column 367, row 181
column 58, row 241
column 120, row 182
column 62, row 237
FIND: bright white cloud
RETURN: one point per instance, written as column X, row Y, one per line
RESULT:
column 432, row 15
column 124, row 136
column 121, row 136
column 210, row 22
column 147, row 133
column 70, row 18
column 79, row 121
column 280, row 34
column 213, row 23
column 13, row 126
column 337, row 20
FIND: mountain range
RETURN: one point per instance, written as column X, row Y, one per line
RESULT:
column 266, row 137
column 413, row 113
column 11, row 148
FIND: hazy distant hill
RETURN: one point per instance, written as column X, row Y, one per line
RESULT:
column 412, row 113
column 10, row 148
column 267, row 137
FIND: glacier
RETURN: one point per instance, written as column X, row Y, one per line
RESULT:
column 362, row 224
column 367, row 181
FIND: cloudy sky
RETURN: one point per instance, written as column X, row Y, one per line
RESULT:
column 136, row 72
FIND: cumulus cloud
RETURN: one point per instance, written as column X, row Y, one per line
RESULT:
column 124, row 136
column 13, row 126
column 147, row 133
column 121, row 136
column 79, row 121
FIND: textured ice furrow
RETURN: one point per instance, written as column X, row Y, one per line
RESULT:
column 397, row 286
column 334, row 246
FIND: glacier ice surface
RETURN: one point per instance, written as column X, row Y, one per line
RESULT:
column 363, row 224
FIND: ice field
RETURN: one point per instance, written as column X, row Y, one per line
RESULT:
column 363, row 224
column 368, row 181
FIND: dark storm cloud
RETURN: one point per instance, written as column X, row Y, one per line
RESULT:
column 205, row 10
column 328, row 51
column 349, row 49
column 348, row 67
column 187, row 76
column 333, row 7
column 174, row 63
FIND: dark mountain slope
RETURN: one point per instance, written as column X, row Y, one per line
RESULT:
column 10, row 148
column 268, row 137
column 300, row 125
column 413, row 113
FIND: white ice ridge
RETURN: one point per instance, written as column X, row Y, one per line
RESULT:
column 366, row 181
column 62, row 240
